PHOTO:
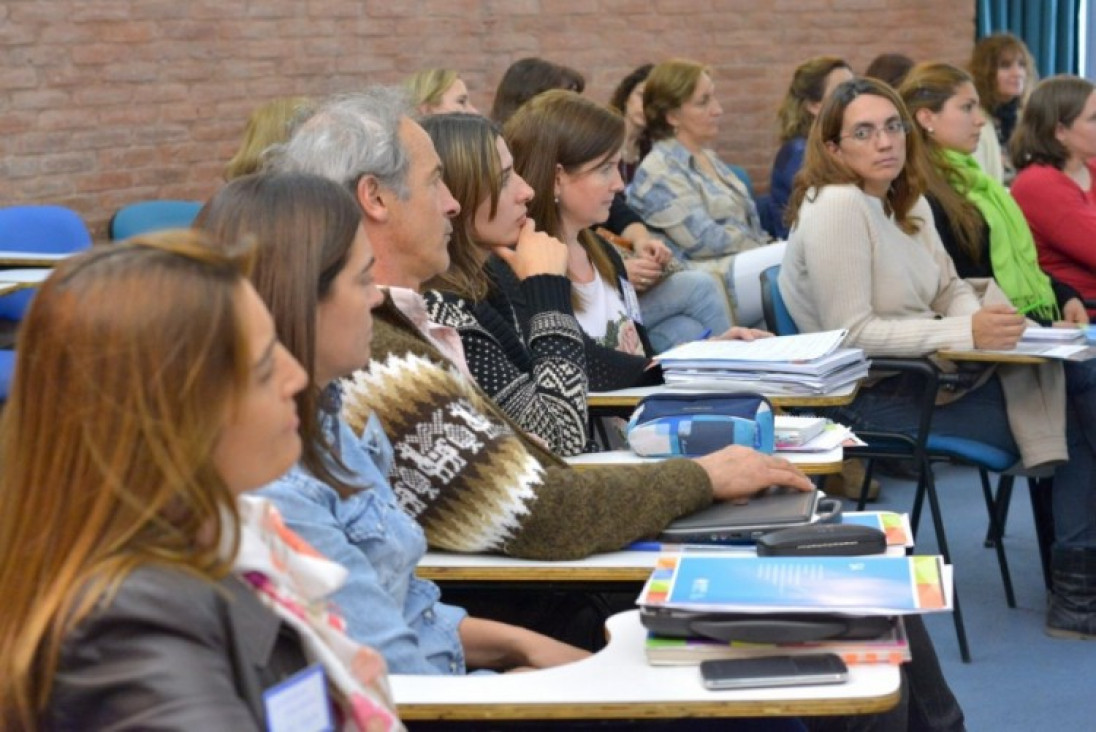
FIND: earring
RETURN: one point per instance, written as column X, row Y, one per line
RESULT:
column 557, row 199
column 930, row 130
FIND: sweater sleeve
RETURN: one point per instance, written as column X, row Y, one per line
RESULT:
column 546, row 392
column 840, row 237
column 583, row 512
column 506, row 493
column 1060, row 216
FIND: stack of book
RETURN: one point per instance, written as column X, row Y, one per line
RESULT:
column 850, row 587
column 810, row 363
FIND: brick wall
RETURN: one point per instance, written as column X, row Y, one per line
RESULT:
column 105, row 102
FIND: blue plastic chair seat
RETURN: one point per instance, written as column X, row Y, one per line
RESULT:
column 7, row 368
column 146, row 216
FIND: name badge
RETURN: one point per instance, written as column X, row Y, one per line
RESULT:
column 300, row 703
column 631, row 301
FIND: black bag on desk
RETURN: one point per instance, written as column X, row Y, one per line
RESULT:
column 729, row 522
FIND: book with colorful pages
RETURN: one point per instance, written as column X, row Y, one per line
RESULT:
column 850, row 585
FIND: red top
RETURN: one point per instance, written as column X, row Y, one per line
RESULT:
column 1062, row 218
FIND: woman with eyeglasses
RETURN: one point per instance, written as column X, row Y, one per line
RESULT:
column 864, row 256
column 984, row 230
column 683, row 189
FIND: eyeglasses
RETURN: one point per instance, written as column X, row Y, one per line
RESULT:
column 867, row 133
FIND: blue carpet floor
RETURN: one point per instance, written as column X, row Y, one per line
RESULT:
column 1019, row 678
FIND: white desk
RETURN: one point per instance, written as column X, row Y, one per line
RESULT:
column 628, row 398
column 623, row 566
column 811, row 463
column 33, row 259
column 618, row 683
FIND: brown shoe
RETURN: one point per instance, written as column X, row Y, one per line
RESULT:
column 847, row 483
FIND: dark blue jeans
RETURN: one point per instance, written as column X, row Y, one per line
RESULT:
column 980, row 415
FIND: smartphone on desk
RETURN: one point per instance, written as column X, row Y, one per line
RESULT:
column 751, row 673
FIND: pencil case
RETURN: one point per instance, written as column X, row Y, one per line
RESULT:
column 690, row 425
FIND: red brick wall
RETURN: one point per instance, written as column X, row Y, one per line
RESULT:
column 105, row 102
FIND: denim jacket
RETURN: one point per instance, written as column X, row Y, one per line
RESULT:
column 385, row 605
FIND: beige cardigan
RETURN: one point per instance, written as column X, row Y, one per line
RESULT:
column 849, row 265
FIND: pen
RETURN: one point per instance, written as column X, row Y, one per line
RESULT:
column 705, row 335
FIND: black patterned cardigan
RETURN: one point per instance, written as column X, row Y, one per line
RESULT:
column 537, row 374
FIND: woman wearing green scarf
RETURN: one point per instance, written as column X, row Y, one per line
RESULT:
column 979, row 223
column 986, row 235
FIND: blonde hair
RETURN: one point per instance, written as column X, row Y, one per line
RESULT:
column 129, row 359
column 669, row 85
column 821, row 168
column 428, row 86
column 270, row 124
column 808, row 85
column 929, row 86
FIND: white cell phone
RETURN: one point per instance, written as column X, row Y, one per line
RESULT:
column 750, row 673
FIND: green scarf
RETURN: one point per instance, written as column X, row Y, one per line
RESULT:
column 1011, row 247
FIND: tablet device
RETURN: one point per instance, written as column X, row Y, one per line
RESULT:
column 731, row 522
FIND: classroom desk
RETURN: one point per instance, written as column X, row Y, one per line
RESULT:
column 811, row 463
column 627, row 566
column 20, row 279
column 991, row 356
column 32, row 259
column 618, row 683
column 606, row 401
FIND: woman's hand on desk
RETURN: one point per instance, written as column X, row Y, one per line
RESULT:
column 1074, row 312
column 738, row 333
column 490, row 644
column 739, row 472
column 997, row 327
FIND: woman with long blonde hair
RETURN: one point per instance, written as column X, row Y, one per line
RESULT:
column 150, row 391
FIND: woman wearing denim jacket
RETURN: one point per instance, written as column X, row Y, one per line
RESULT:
column 314, row 270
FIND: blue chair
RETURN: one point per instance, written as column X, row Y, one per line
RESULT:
column 922, row 448
column 46, row 229
column 146, row 216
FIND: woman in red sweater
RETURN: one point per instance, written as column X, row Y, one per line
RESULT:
column 1054, row 148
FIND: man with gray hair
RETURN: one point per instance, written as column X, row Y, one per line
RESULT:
column 474, row 480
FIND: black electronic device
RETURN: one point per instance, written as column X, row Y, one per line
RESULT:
column 749, row 673
column 819, row 540
column 730, row 522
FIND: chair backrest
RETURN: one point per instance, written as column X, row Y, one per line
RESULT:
column 744, row 177
column 146, row 216
column 777, row 317
column 48, row 229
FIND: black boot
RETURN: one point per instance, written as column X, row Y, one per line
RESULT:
column 1072, row 609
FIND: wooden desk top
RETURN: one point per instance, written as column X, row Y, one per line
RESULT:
column 991, row 357
column 618, row 683
column 32, row 259
column 811, row 463
column 626, row 398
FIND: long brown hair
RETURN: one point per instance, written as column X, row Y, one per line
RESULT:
column 929, row 86
column 989, row 53
column 565, row 129
column 473, row 174
column 1058, row 100
column 821, row 168
column 128, row 361
column 808, row 85
column 304, row 226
